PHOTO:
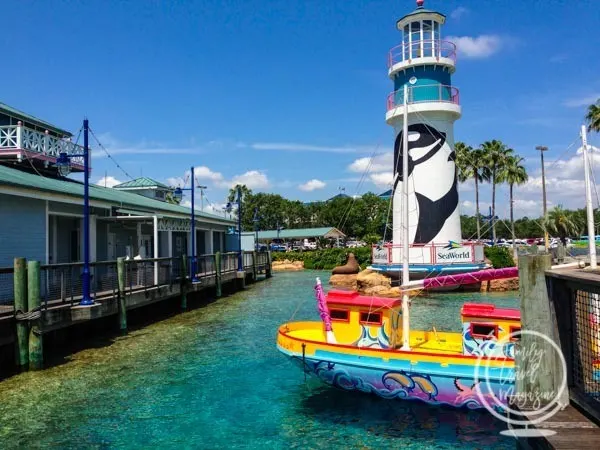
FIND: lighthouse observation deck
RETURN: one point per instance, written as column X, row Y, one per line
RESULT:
column 431, row 97
column 421, row 52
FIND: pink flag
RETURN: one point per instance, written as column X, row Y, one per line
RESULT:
column 322, row 305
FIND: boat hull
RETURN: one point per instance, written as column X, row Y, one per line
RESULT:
column 392, row 374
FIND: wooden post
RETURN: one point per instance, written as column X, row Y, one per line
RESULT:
column 254, row 266
column 183, row 277
column 218, row 292
column 539, row 371
column 20, row 289
column 36, row 349
column 122, row 305
column 268, row 266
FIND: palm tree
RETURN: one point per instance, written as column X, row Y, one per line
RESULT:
column 563, row 223
column 232, row 197
column 471, row 164
column 593, row 117
column 495, row 155
column 512, row 173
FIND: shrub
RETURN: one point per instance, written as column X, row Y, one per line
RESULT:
column 499, row 256
column 326, row 259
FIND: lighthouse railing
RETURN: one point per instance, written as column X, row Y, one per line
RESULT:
column 424, row 94
column 424, row 48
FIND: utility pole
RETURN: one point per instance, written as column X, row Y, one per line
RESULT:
column 542, row 149
column 202, row 197
column 588, row 200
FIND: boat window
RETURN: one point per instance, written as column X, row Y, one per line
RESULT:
column 339, row 314
column 372, row 318
column 484, row 330
column 515, row 333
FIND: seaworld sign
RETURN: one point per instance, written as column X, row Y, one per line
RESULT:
column 451, row 253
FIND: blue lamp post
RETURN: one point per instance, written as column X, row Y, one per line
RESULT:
column 178, row 195
column 63, row 166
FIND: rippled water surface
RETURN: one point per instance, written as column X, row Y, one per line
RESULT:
column 212, row 378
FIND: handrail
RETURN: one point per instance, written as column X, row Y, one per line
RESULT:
column 421, row 48
column 424, row 94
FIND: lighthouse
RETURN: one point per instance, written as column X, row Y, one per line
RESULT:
column 421, row 67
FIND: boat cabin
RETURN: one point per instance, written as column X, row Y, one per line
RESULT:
column 485, row 324
column 363, row 321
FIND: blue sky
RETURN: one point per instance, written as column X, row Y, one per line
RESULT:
column 278, row 93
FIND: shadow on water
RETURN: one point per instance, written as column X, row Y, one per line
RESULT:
column 407, row 419
column 61, row 344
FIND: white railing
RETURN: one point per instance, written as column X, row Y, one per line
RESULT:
column 22, row 138
column 447, row 253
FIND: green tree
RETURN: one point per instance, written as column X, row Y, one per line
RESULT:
column 471, row 164
column 512, row 173
column 593, row 117
column 562, row 223
column 495, row 155
column 232, row 197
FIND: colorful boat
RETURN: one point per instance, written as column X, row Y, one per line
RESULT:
column 356, row 347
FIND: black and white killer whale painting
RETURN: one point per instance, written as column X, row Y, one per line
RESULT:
column 433, row 188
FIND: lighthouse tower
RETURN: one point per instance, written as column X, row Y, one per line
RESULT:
column 424, row 64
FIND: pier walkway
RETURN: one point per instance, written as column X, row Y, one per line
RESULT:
column 568, row 309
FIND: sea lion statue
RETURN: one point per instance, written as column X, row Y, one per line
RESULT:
column 350, row 268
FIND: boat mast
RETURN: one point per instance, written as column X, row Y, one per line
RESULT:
column 405, row 234
column 588, row 200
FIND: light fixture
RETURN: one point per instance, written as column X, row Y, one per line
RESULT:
column 63, row 165
column 178, row 194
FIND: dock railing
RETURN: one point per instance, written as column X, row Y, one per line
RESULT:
column 575, row 297
column 61, row 284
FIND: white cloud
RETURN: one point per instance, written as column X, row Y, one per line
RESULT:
column 296, row 147
column 477, row 47
column 312, row 185
column 585, row 100
column 382, row 180
column 459, row 12
column 378, row 163
column 253, row 179
column 108, row 181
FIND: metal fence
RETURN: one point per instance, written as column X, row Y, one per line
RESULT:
column 576, row 301
column 142, row 274
column 63, row 283
column 229, row 262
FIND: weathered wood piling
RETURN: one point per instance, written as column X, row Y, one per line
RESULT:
column 36, row 350
column 122, row 305
column 20, row 291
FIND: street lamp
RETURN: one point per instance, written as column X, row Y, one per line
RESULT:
column 239, row 213
column 63, row 166
column 542, row 149
column 178, row 196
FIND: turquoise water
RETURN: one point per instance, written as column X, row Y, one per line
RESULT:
column 212, row 378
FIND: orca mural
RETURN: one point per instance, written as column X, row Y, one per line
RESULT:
column 433, row 174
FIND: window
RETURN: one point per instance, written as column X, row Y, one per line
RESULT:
column 515, row 331
column 370, row 318
column 484, row 330
column 339, row 315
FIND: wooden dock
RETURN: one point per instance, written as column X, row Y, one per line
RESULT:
column 568, row 429
column 60, row 309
